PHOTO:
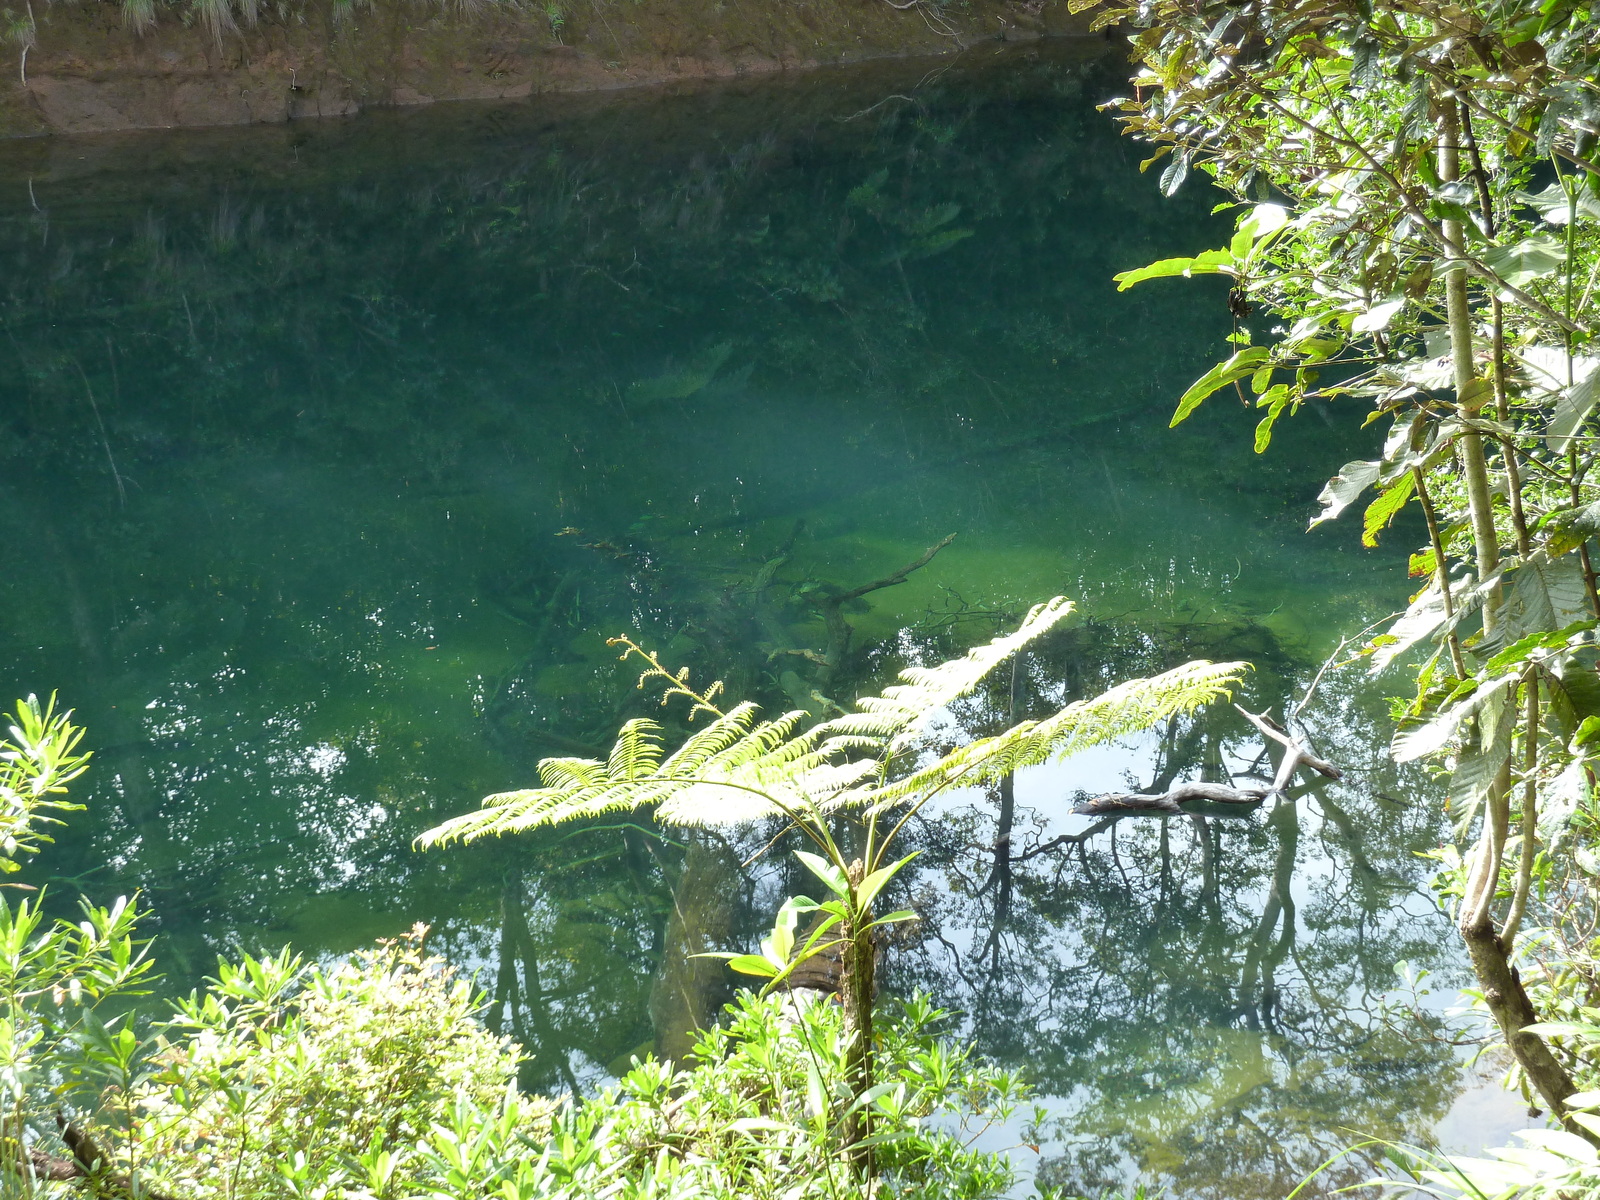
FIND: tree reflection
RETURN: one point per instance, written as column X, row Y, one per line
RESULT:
column 342, row 462
column 1204, row 992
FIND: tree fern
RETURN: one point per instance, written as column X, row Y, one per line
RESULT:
column 741, row 768
column 1127, row 708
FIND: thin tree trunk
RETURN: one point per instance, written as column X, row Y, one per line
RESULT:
column 1503, row 992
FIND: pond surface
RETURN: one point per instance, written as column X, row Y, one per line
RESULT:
column 333, row 454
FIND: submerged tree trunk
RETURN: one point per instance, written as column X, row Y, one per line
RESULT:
column 687, row 990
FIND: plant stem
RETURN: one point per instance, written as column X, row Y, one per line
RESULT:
column 856, row 987
column 1530, row 819
column 1469, row 400
column 1441, row 572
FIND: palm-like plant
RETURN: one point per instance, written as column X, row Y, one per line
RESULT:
column 867, row 764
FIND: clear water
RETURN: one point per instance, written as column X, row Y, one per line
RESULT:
column 333, row 453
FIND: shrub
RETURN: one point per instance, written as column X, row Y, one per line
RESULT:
column 284, row 1079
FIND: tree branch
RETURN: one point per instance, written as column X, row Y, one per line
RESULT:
column 898, row 577
column 1170, row 801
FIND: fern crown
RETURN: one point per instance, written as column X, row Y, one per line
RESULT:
column 742, row 767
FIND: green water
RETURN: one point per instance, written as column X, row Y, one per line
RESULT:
column 331, row 455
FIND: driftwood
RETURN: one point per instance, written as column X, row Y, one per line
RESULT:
column 1170, row 801
column 88, row 1165
column 1295, row 755
column 1271, row 729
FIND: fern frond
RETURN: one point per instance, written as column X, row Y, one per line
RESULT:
column 637, row 751
column 711, row 802
column 715, row 738
column 969, row 765
column 758, row 743
column 1128, row 708
column 514, row 812
column 558, row 773
column 741, row 768
column 877, row 727
column 907, row 707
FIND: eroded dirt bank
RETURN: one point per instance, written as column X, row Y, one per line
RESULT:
column 88, row 73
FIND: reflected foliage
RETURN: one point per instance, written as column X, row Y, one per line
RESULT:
column 346, row 446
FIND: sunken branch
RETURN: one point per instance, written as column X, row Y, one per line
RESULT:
column 1295, row 755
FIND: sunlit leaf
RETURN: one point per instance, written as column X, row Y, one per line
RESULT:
column 1383, row 510
column 1237, row 366
column 1341, row 491
column 1211, row 262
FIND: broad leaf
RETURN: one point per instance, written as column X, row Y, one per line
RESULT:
column 1376, row 319
column 826, row 871
column 1240, row 364
column 1546, row 595
column 874, row 883
column 1382, row 511
column 752, row 964
column 1438, row 731
column 1573, row 408
column 1555, row 207
column 780, row 944
column 1530, row 259
column 1340, row 491
column 1211, row 262
column 1570, row 528
column 1478, row 765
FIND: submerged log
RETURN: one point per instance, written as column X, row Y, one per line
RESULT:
column 1295, row 755
column 1169, row 801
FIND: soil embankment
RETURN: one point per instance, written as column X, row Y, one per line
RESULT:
column 87, row 73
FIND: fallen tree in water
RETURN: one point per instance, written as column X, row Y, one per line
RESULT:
column 1295, row 755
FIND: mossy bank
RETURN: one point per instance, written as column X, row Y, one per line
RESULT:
column 80, row 68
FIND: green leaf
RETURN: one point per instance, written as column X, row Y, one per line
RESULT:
column 1531, row 258
column 894, row 918
column 1177, row 171
column 1376, row 319
column 1382, row 511
column 1477, row 766
column 1340, row 491
column 1545, row 595
column 1515, row 655
column 1275, row 401
column 1262, row 221
column 780, row 944
column 1419, row 741
column 1210, row 262
column 752, row 964
column 1564, row 531
column 872, row 1094
column 1572, row 410
column 1554, row 206
column 816, row 1093
column 874, row 882
column 1238, row 365
column 830, row 874
column 1564, row 1029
